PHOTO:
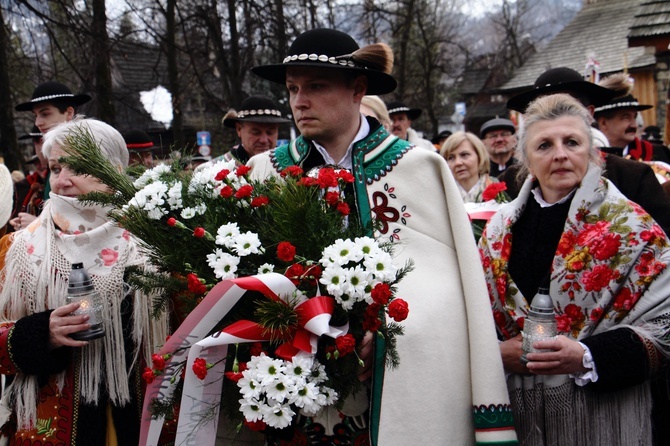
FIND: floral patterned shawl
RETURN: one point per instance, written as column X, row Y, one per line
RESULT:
column 611, row 254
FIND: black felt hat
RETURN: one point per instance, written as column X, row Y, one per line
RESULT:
column 496, row 124
column 256, row 109
column 627, row 102
column 53, row 92
column 562, row 80
column 329, row 48
column 399, row 107
column 34, row 134
column 138, row 141
column 444, row 134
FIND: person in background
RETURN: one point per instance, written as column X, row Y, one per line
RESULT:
column 257, row 125
column 30, row 189
column 402, row 117
column 372, row 105
column 498, row 136
column 140, row 148
column 469, row 163
column 63, row 390
column 606, row 265
column 440, row 138
column 411, row 195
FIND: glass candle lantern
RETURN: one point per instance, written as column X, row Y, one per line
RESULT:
column 540, row 323
column 80, row 289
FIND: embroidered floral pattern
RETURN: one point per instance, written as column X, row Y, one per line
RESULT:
column 608, row 255
column 385, row 213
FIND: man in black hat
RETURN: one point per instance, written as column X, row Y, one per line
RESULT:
column 52, row 103
column 30, row 190
column 401, row 118
column 257, row 125
column 618, row 121
column 635, row 180
column 440, row 138
column 498, row 137
column 140, row 148
column 410, row 195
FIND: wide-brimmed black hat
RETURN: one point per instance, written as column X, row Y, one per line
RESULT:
column 34, row 134
column 138, row 141
column 399, row 107
column 329, row 48
column 444, row 134
column 256, row 109
column 53, row 92
column 562, row 80
column 496, row 124
column 627, row 102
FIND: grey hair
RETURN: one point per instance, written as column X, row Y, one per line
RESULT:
column 110, row 141
column 547, row 108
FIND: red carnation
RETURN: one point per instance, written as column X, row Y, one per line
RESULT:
column 371, row 321
column 294, row 273
column 255, row 425
column 313, row 273
column 294, row 171
column 307, row 181
column 226, row 191
column 345, row 344
column 256, row 349
column 171, row 221
column 381, row 293
column 343, row 208
column 200, row 368
column 242, row 170
column 234, row 377
column 285, row 251
column 398, row 310
column 493, row 190
column 345, row 176
column 199, row 232
column 195, row 285
column 257, row 202
column 332, row 198
column 326, row 178
column 222, row 175
column 158, row 362
column 244, row 191
column 148, row 375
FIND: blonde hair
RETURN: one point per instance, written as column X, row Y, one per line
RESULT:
column 378, row 108
column 549, row 108
column 458, row 138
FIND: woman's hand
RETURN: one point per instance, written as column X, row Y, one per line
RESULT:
column 566, row 357
column 365, row 354
column 62, row 324
column 511, row 352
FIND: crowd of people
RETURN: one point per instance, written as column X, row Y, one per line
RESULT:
column 588, row 220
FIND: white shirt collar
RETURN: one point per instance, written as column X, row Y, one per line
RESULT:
column 537, row 193
column 346, row 161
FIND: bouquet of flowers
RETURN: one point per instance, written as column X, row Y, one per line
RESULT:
column 276, row 269
column 493, row 197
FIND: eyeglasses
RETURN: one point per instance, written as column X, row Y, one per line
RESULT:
column 495, row 135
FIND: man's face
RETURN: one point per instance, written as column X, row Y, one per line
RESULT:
column 325, row 102
column 257, row 137
column 144, row 158
column 499, row 142
column 621, row 128
column 48, row 116
column 401, row 123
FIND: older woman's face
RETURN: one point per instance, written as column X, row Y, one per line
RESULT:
column 558, row 155
column 64, row 182
column 464, row 164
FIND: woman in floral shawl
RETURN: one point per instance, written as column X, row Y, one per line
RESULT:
column 605, row 262
column 65, row 391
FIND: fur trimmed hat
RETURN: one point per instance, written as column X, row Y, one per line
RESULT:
column 329, row 48
column 53, row 92
column 255, row 109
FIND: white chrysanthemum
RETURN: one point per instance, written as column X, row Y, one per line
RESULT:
column 269, row 369
column 187, row 213
column 318, row 373
column 327, row 396
column 368, row 245
column 334, row 277
column 250, row 388
column 247, row 243
column 381, row 265
column 266, row 268
column 278, row 415
column 174, row 196
column 200, row 208
column 226, row 234
column 342, row 252
column 300, row 366
column 357, row 281
column 150, row 175
column 151, row 198
column 251, row 409
column 304, row 395
column 281, row 388
column 223, row 264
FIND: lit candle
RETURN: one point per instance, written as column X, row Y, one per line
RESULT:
column 80, row 289
column 540, row 323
